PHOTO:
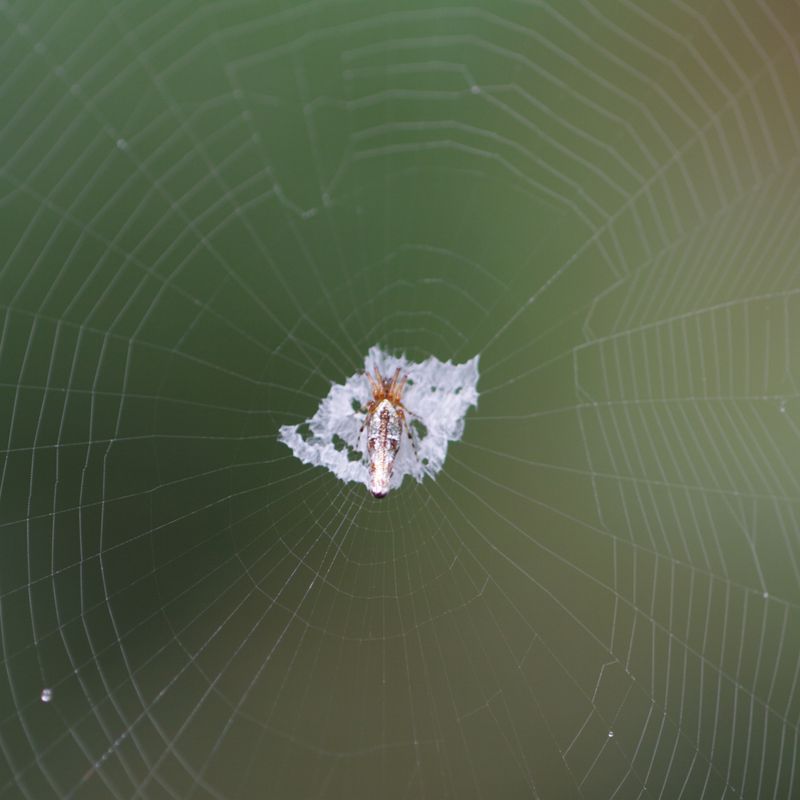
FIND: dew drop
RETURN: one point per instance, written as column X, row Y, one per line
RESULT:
column 47, row 695
column 611, row 734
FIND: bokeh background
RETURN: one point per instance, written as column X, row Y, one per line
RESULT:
column 210, row 212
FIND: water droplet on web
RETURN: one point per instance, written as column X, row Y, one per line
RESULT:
column 122, row 144
column 783, row 407
column 46, row 695
column 475, row 89
column 611, row 734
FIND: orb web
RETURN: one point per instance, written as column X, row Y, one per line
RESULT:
column 211, row 211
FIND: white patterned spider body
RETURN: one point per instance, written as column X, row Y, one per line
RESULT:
column 385, row 421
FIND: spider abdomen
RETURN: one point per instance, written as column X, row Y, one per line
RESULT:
column 383, row 441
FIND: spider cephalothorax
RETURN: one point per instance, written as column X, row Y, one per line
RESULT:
column 385, row 422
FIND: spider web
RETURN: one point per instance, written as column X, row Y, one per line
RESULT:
column 440, row 394
column 211, row 211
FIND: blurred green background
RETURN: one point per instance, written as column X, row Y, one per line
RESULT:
column 210, row 211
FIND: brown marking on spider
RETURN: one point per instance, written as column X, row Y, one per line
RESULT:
column 385, row 421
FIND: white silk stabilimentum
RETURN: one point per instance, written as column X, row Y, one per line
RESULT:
column 437, row 394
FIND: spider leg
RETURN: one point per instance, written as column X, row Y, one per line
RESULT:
column 397, row 388
column 407, row 427
column 366, row 419
column 408, row 411
column 373, row 386
column 368, row 410
column 393, row 384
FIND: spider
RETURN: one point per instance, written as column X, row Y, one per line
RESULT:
column 385, row 421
